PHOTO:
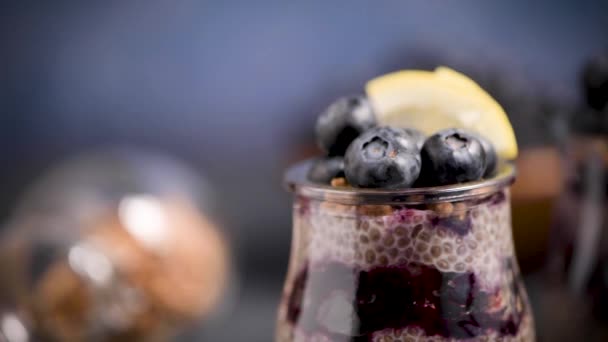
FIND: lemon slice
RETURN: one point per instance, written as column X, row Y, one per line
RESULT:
column 434, row 100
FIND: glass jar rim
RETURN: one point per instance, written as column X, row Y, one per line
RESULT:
column 296, row 181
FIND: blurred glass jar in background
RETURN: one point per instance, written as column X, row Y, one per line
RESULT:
column 574, row 301
column 113, row 247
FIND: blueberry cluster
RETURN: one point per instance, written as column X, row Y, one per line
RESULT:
column 372, row 156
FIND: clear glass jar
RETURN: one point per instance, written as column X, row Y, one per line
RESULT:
column 400, row 265
column 113, row 246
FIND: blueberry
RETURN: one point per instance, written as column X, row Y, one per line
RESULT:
column 595, row 81
column 325, row 169
column 342, row 122
column 490, row 155
column 452, row 156
column 383, row 157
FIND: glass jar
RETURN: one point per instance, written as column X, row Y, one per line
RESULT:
column 113, row 246
column 575, row 278
column 400, row 265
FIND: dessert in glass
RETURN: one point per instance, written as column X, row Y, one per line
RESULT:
column 403, row 232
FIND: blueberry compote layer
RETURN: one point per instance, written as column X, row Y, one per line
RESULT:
column 443, row 271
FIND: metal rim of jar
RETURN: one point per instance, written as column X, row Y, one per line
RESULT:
column 296, row 181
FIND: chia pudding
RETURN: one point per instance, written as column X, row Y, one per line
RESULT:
column 441, row 271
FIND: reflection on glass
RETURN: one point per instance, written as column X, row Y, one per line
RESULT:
column 89, row 263
column 144, row 217
column 13, row 329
